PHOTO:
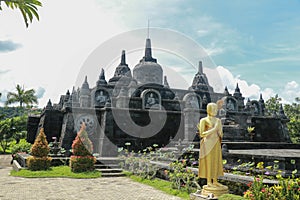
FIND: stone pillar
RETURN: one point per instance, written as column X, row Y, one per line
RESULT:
column 191, row 119
column 105, row 147
column 68, row 133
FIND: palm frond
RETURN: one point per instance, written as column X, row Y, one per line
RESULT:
column 28, row 8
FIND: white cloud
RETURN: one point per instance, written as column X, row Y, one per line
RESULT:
column 212, row 51
column 290, row 92
column 54, row 48
column 251, row 91
column 291, row 85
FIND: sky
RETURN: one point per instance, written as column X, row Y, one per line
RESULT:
column 253, row 43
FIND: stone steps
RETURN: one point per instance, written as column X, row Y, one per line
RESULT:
column 109, row 166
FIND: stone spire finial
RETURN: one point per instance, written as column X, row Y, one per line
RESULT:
column 85, row 88
column 166, row 84
column 261, row 98
column 67, row 96
column 200, row 68
column 102, row 75
column 49, row 105
column 237, row 89
column 281, row 112
column 237, row 92
column 148, row 50
column 85, row 84
column 226, row 92
column 102, row 80
column 123, row 58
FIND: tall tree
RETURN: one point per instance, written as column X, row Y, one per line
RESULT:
column 293, row 113
column 28, row 8
column 273, row 104
column 22, row 96
column 6, row 133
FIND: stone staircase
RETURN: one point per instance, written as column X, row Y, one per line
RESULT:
column 109, row 166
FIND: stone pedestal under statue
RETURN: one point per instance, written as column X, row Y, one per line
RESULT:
column 209, row 193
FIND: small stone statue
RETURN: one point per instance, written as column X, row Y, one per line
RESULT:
column 210, row 157
column 150, row 101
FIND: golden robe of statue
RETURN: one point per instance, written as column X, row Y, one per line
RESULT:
column 210, row 156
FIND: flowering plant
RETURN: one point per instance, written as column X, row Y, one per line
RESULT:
column 250, row 130
column 285, row 189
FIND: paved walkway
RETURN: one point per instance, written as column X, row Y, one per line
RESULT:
column 12, row 188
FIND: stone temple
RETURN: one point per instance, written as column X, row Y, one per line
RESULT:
column 139, row 107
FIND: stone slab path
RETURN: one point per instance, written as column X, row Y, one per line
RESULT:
column 117, row 188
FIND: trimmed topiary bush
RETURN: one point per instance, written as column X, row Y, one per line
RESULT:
column 82, row 148
column 39, row 151
column 82, row 163
column 38, row 163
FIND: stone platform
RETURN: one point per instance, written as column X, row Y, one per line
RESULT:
column 286, row 160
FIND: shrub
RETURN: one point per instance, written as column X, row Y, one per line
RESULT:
column 40, row 147
column 182, row 178
column 82, row 149
column 82, row 163
column 22, row 146
column 38, row 163
column 39, row 159
column 82, row 145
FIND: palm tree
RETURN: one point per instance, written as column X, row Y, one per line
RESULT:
column 22, row 96
column 28, row 8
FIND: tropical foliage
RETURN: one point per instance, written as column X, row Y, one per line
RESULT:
column 292, row 111
column 28, row 8
column 6, row 134
column 22, row 96
column 12, row 129
column 273, row 104
column 21, row 147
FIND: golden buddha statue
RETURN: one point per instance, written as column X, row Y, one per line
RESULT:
column 210, row 155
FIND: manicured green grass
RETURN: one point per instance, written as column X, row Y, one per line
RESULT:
column 59, row 171
column 160, row 184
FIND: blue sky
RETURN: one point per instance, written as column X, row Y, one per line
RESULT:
column 253, row 43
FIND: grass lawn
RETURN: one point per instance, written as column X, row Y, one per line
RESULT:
column 166, row 187
column 160, row 184
column 59, row 171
